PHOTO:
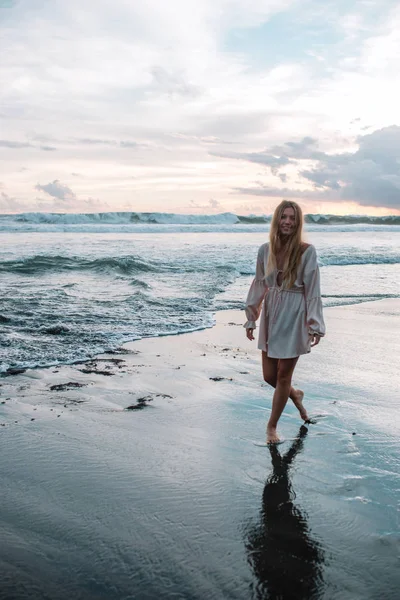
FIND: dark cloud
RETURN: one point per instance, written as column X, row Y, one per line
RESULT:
column 115, row 143
column 11, row 144
column 278, row 156
column 127, row 144
column 96, row 142
column 370, row 176
column 17, row 145
column 57, row 190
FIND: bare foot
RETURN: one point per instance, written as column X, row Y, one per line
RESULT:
column 298, row 402
column 272, row 436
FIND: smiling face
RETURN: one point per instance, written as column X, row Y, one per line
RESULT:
column 287, row 223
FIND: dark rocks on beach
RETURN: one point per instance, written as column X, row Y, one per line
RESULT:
column 60, row 387
column 91, row 367
column 96, row 372
column 15, row 371
column 221, row 378
column 144, row 400
column 115, row 361
column 141, row 403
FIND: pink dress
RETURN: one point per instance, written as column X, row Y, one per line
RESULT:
column 289, row 316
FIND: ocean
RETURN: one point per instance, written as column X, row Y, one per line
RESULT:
column 77, row 285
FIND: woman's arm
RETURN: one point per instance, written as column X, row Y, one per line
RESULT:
column 312, row 289
column 257, row 292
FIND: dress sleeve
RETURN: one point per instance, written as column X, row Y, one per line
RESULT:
column 311, row 279
column 257, row 292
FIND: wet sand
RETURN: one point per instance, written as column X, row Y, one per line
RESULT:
column 139, row 474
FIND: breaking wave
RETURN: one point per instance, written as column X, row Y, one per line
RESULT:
column 157, row 218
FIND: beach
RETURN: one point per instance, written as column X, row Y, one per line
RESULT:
column 143, row 473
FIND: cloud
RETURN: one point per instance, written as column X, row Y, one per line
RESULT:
column 100, row 142
column 10, row 204
column 127, row 144
column 276, row 192
column 57, row 190
column 11, row 144
column 96, row 142
column 279, row 155
column 370, row 176
column 215, row 204
column 262, row 158
column 171, row 83
column 19, row 145
column 211, row 204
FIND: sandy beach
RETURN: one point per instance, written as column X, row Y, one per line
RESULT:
column 142, row 474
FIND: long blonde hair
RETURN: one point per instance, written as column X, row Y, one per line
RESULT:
column 293, row 246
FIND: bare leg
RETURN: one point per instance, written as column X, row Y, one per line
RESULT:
column 286, row 367
column 270, row 373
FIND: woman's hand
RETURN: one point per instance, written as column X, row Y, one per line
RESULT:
column 315, row 339
column 249, row 334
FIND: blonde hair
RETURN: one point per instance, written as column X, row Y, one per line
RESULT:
column 294, row 244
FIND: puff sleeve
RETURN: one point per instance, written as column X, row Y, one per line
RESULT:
column 257, row 292
column 312, row 290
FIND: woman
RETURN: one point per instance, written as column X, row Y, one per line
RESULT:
column 287, row 280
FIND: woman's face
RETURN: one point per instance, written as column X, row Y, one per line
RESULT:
column 287, row 223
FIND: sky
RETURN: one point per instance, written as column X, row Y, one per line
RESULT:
column 200, row 107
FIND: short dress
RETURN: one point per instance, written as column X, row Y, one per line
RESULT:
column 289, row 317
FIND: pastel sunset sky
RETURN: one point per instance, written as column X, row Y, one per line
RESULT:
column 199, row 106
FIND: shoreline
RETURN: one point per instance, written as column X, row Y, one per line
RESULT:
column 138, row 366
column 121, row 350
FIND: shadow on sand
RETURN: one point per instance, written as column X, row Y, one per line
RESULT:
column 287, row 562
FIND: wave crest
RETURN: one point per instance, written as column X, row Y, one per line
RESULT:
column 157, row 218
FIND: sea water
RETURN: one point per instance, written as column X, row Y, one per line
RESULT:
column 76, row 285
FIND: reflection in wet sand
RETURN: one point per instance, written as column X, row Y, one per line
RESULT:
column 285, row 559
